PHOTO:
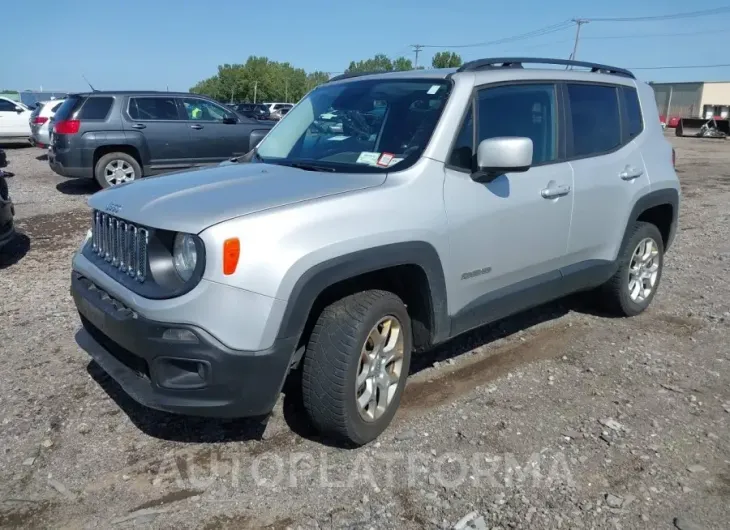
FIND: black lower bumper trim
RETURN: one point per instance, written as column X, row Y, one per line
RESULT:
column 131, row 349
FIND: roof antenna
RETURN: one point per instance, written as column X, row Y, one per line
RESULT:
column 87, row 82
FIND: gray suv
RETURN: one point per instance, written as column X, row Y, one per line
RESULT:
column 118, row 137
column 447, row 199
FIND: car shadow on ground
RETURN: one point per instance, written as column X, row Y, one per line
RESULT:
column 42, row 157
column 176, row 427
column 189, row 429
column 78, row 187
column 14, row 251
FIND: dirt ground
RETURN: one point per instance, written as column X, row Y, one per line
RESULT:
column 557, row 418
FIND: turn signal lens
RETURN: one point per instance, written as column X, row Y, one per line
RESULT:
column 231, row 253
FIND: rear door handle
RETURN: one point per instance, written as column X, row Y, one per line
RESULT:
column 630, row 173
column 196, row 127
column 138, row 126
column 552, row 192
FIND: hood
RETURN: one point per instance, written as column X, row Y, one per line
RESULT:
column 191, row 201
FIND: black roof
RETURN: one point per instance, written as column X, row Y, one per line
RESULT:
column 134, row 93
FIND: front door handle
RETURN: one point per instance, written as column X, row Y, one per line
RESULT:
column 630, row 173
column 196, row 127
column 551, row 192
column 138, row 126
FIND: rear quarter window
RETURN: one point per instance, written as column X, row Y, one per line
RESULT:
column 96, row 108
column 633, row 121
column 69, row 107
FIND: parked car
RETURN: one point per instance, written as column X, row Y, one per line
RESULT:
column 256, row 111
column 478, row 192
column 14, row 126
column 279, row 113
column 7, row 212
column 276, row 106
column 145, row 133
column 40, row 120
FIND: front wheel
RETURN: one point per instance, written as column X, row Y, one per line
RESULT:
column 113, row 169
column 356, row 365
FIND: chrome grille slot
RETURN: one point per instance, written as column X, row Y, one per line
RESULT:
column 121, row 244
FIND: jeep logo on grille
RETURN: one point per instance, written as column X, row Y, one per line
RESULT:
column 113, row 207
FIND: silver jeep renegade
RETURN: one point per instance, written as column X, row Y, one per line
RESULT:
column 386, row 213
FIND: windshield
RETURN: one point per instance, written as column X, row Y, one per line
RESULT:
column 363, row 126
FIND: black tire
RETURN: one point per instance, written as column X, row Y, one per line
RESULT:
column 332, row 359
column 614, row 294
column 104, row 160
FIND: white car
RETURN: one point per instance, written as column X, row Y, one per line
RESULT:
column 40, row 122
column 14, row 124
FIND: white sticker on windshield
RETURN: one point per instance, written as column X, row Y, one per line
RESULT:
column 338, row 138
column 367, row 157
column 385, row 159
column 433, row 90
column 394, row 161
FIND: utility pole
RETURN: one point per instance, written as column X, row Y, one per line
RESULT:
column 578, row 22
column 286, row 91
column 255, row 89
column 417, row 49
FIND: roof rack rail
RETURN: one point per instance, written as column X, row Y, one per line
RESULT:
column 517, row 62
column 347, row 75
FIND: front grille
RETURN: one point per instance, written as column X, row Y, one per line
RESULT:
column 121, row 244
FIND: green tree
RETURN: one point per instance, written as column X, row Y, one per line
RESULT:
column 378, row 63
column 446, row 60
column 402, row 63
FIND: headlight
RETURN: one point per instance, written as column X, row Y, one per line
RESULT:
column 185, row 255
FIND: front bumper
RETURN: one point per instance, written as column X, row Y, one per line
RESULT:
column 199, row 377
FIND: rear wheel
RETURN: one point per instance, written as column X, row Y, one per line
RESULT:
column 117, row 168
column 356, row 365
column 631, row 290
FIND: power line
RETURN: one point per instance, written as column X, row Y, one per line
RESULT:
column 535, row 33
column 679, row 67
column 675, row 16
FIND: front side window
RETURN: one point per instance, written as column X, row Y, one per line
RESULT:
column 6, row 106
column 595, row 119
column 153, row 108
column 367, row 125
column 202, row 110
column 521, row 110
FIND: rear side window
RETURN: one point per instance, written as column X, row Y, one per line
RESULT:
column 158, row 109
column 633, row 122
column 595, row 119
column 55, row 107
column 95, row 108
column 6, row 106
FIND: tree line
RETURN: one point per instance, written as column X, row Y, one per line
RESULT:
column 261, row 79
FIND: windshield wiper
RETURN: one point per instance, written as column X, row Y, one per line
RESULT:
column 248, row 157
column 308, row 167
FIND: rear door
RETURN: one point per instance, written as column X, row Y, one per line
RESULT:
column 159, row 121
column 605, row 153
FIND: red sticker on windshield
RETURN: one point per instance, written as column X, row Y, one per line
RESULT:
column 385, row 159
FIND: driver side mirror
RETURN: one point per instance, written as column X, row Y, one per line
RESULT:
column 505, row 154
column 19, row 110
column 229, row 119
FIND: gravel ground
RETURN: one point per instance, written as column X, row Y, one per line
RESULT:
column 557, row 418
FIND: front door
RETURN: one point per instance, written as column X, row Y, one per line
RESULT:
column 216, row 132
column 13, row 123
column 508, row 237
column 159, row 124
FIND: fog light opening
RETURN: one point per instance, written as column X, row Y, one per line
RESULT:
column 179, row 335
